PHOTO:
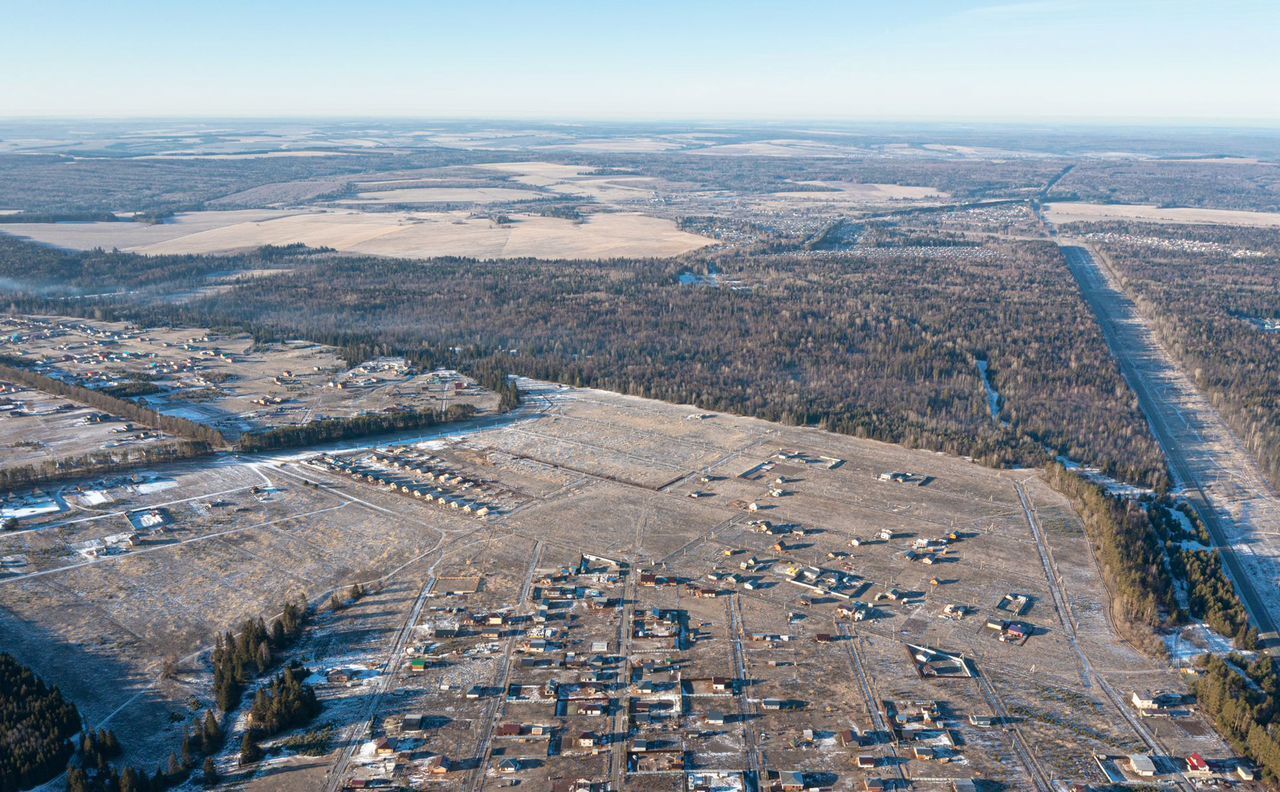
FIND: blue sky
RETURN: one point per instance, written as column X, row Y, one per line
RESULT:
column 1086, row 60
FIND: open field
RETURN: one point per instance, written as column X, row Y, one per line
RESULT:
column 403, row 234
column 410, row 195
column 853, row 192
column 131, row 236
column 223, row 380
column 576, row 180
column 37, row 428
column 512, row 643
column 1092, row 212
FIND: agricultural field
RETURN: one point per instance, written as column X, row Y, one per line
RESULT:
column 1094, row 213
column 400, row 234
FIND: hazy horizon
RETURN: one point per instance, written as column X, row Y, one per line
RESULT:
column 1049, row 61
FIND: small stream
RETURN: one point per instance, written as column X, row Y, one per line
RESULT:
column 993, row 395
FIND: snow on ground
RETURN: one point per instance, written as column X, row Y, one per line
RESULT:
column 155, row 485
column 1195, row 640
column 95, row 498
column 993, row 396
column 1112, row 486
column 29, row 507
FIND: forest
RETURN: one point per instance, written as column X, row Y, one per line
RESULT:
column 1253, row 186
column 332, row 429
column 1210, row 293
column 14, row 370
column 1148, row 555
column 1130, row 554
column 36, row 727
column 882, row 346
column 1242, row 698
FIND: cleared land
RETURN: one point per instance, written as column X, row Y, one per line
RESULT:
column 1093, row 212
column 404, row 234
column 1204, row 456
column 854, row 192
column 577, row 180
column 706, row 588
column 36, row 428
column 410, row 195
column 226, row 381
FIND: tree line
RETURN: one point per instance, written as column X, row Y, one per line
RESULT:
column 1211, row 315
column 283, row 704
column 36, row 727
column 333, row 429
column 239, row 657
column 1142, row 549
column 15, row 369
column 1130, row 553
column 1242, row 697
column 883, row 347
column 99, row 462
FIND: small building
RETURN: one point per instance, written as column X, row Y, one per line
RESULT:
column 1142, row 765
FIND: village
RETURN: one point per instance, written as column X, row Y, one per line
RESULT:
column 226, row 382
column 605, row 593
column 807, row 631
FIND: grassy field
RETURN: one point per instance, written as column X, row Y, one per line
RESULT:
column 404, row 234
column 1092, row 212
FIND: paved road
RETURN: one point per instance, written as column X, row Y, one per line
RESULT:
column 1221, row 479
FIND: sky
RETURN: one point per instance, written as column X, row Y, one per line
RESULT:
column 1213, row 61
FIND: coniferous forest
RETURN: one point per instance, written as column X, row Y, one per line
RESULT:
column 886, row 347
column 36, row 727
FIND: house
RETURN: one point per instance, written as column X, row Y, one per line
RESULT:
column 507, row 730
column 792, row 781
column 715, row 718
column 510, row 766
column 1197, row 764
column 1148, row 702
column 849, row 737
column 982, row 721
column 865, row 761
column 1142, row 765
